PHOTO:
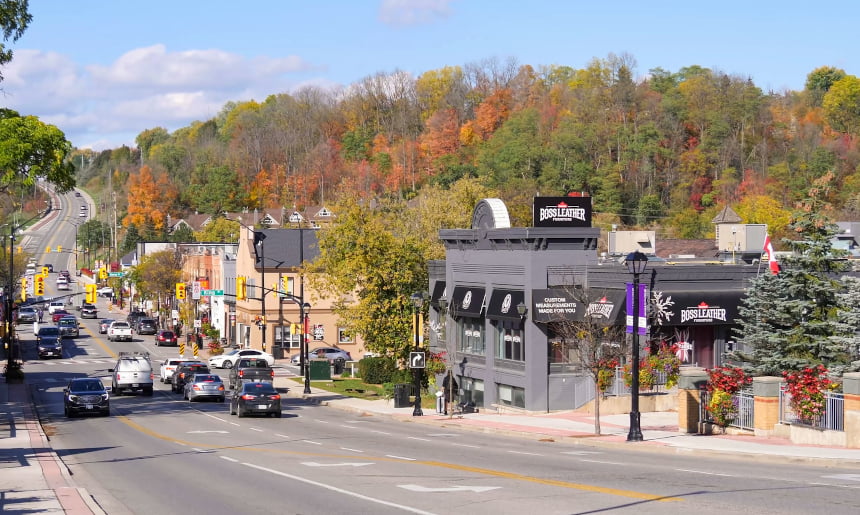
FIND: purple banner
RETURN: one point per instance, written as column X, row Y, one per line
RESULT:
column 643, row 308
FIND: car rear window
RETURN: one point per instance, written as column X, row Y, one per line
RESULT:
column 258, row 388
column 167, row 334
column 207, row 378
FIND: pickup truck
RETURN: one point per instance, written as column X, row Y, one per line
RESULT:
column 251, row 369
column 119, row 330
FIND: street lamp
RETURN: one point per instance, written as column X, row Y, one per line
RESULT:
column 259, row 238
column 304, row 310
column 417, row 303
column 636, row 264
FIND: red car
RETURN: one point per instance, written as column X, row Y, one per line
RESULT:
column 58, row 314
column 165, row 337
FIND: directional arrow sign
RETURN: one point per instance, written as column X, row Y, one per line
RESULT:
column 416, row 360
column 463, row 488
column 315, row 464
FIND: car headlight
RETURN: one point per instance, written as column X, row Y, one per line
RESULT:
column 73, row 398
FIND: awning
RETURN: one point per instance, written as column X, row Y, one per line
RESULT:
column 676, row 308
column 606, row 306
column 438, row 292
column 503, row 304
column 555, row 304
column 467, row 301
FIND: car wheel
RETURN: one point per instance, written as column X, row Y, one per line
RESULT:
column 277, row 414
column 148, row 391
column 240, row 412
column 227, row 364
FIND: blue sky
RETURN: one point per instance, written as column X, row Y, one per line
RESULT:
column 105, row 71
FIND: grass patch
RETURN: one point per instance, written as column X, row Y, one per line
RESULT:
column 348, row 387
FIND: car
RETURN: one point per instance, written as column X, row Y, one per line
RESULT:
column 50, row 267
column 133, row 317
column 133, row 372
column 105, row 291
column 330, row 353
column 104, row 324
column 229, row 359
column 27, row 315
column 146, row 326
column 169, row 366
column 255, row 397
column 66, row 274
column 89, row 311
column 55, row 305
column 184, row 372
column 49, row 342
column 83, row 214
column 77, row 193
column 58, row 314
column 165, row 337
column 86, row 395
column 204, row 386
column 68, row 326
column 119, row 330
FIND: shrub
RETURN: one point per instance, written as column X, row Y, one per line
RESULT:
column 377, row 370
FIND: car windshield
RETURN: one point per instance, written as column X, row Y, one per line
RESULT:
column 87, row 386
column 49, row 331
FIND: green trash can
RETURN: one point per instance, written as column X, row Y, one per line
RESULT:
column 319, row 370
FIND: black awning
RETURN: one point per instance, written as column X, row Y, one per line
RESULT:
column 438, row 293
column 556, row 304
column 606, row 306
column 503, row 304
column 696, row 307
column 467, row 301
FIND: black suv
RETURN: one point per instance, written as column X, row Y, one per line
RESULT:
column 146, row 326
column 184, row 372
column 86, row 395
column 133, row 317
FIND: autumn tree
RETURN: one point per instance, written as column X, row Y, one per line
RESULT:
column 842, row 105
column 219, row 229
column 149, row 202
column 156, row 275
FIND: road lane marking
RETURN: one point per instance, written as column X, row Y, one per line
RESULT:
column 228, row 458
column 338, row 490
column 707, row 473
column 351, row 450
column 255, row 429
column 313, row 442
column 462, row 488
column 524, row 453
column 279, row 435
column 417, row 438
column 466, row 445
column 207, row 431
column 381, row 433
column 438, row 464
column 603, row 462
column 315, row 464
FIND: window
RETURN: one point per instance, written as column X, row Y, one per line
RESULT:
column 343, row 336
column 473, row 391
column 510, row 343
column 511, row 396
column 285, row 337
column 471, row 339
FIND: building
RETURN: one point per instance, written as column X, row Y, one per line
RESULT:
column 497, row 293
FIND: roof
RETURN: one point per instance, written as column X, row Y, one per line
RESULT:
column 700, row 248
column 282, row 249
column 727, row 216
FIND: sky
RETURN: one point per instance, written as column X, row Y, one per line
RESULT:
column 103, row 72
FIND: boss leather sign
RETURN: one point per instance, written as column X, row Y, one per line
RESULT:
column 561, row 212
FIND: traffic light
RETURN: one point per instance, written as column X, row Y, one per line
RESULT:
column 180, row 291
column 286, row 286
column 91, row 293
column 103, row 273
column 44, row 271
column 241, row 288
column 47, row 249
column 59, row 248
column 39, row 286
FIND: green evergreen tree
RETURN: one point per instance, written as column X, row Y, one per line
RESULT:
column 847, row 322
column 788, row 320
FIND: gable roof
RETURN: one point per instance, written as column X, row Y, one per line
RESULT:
column 727, row 216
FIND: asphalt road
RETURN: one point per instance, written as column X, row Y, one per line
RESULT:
column 164, row 454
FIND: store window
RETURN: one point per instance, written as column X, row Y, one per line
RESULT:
column 511, row 396
column 343, row 336
column 473, row 391
column 285, row 338
column 471, row 336
column 510, row 341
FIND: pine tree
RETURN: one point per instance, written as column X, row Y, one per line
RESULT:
column 788, row 320
column 847, row 323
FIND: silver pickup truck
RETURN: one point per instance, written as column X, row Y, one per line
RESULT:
column 119, row 330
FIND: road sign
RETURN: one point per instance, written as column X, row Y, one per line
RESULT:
column 416, row 360
column 115, row 274
column 195, row 290
column 212, row 293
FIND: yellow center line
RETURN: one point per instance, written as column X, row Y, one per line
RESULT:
column 475, row 470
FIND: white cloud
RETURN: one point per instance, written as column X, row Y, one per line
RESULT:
column 413, row 12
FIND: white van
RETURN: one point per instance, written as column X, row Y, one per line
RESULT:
column 54, row 305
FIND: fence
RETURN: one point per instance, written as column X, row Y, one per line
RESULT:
column 832, row 419
column 744, row 401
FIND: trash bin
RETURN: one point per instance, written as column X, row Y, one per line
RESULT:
column 338, row 366
column 402, row 391
column 278, row 352
column 319, row 370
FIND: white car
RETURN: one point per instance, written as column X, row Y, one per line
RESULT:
column 54, row 305
column 169, row 366
column 229, row 359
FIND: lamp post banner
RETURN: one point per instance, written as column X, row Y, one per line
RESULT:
column 643, row 308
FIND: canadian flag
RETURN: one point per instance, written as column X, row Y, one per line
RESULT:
column 771, row 259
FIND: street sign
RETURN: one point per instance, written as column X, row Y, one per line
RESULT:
column 212, row 293
column 115, row 274
column 195, row 290
column 416, row 360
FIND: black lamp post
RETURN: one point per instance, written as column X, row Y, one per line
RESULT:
column 636, row 263
column 304, row 310
column 259, row 242
column 417, row 303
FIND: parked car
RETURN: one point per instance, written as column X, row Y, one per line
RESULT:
column 85, row 395
column 49, row 343
column 330, row 353
column 253, row 397
column 146, row 326
column 229, row 359
column 27, row 315
column 165, row 337
column 105, row 291
column 169, row 366
column 104, row 324
column 89, row 311
column 132, row 372
column 204, row 386
column 184, row 372
column 68, row 326
column 58, row 314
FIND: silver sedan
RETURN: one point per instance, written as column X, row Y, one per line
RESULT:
column 204, row 386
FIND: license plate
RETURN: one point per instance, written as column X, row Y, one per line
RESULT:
column 261, row 406
column 89, row 406
column 135, row 385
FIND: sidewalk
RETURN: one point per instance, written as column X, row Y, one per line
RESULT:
column 660, row 430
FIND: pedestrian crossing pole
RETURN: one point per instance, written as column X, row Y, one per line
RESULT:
column 196, row 349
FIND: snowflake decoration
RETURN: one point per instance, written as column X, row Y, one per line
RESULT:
column 662, row 307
